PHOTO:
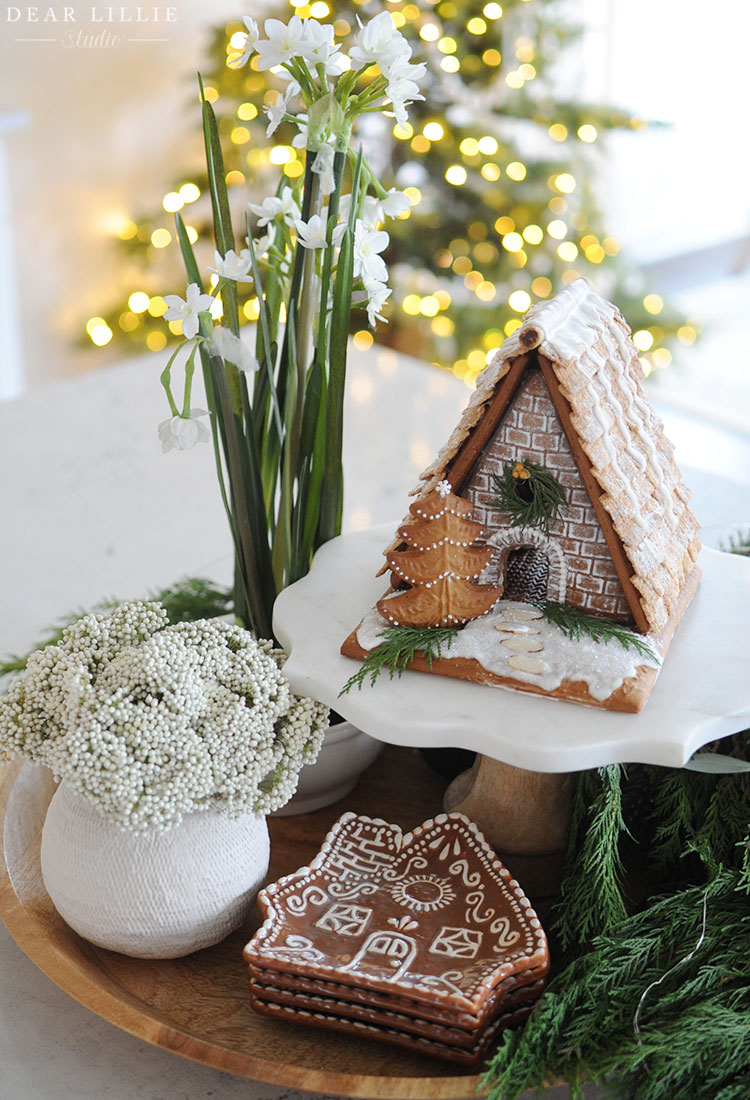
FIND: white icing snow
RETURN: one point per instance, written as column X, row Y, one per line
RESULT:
column 602, row 667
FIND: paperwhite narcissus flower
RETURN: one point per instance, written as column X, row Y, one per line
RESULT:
column 274, row 205
column 224, row 343
column 284, row 42
column 368, row 243
column 312, row 234
column 378, row 294
column 394, row 203
column 402, row 87
column 183, row 432
column 251, row 39
column 232, row 266
column 276, row 111
column 378, row 42
column 319, row 48
column 187, row 309
column 323, row 167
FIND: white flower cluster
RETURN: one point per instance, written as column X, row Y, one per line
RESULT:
column 151, row 721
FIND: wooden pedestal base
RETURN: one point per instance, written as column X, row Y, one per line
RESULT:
column 523, row 814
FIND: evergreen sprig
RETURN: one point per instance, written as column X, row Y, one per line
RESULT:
column 577, row 624
column 534, row 500
column 737, row 542
column 400, row 645
column 186, row 600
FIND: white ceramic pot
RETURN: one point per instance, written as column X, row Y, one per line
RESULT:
column 155, row 895
column 345, row 753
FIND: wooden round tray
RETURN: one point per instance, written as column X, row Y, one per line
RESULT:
column 198, row 1006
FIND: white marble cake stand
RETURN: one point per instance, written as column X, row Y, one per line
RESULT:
column 702, row 693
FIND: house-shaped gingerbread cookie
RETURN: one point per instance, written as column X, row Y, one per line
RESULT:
column 550, row 547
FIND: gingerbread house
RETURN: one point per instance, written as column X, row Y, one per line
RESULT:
column 563, row 398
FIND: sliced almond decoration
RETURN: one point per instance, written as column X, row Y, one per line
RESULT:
column 523, row 645
column 525, row 663
column 522, row 614
column 515, row 628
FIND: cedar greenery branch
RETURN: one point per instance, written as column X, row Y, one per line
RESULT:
column 529, row 495
column 575, row 624
column 400, row 645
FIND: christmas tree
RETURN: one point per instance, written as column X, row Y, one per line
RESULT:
column 440, row 564
column 500, row 170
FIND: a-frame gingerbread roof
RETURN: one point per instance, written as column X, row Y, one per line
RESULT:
column 590, row 363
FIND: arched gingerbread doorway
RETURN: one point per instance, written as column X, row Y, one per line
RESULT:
column 528, row 564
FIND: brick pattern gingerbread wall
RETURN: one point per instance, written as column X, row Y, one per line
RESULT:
column 532, row 429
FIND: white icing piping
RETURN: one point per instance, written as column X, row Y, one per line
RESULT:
column 614, row 455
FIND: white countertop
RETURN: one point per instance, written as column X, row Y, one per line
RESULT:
column 92, row 509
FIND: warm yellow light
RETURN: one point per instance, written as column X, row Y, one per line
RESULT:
column 447, row 45
column 189, row 192
column 281, row 154
column 492, row 11
column 234, row 178
column 319, row 10
column 411, row 304
column 476, row 359
column 511, row 326
column 492, row 339
column 429, row 32
column 652, row 303
column 542, row 287
column 525, row 49
column 217, row 309
column 172, row 202
column 251, row 309
column 462, row 265
column 662, row 357
column 514, row 79
column 396, row 16
column 433, row 131
column 476, row 25
column 192, row 233
column 485, row 253
column 138, row 301
column 518, row 259
column 492, row 58
column 516, row 170
column 610, row 245
column 420, row 144
column 293, row 169
column 411, row 12
column 533, row 234
column 565, row 183
column 342, row 27
column 443, row 327
column 363, row 340
column 469, row 147
column 160, row 238
column 513, row 242
column 444, row 258
column 450, row 64
column 567, row 251
column 157, row 307
column 487, row 146
column 645, row 365
column 100, row 334
column 429, row 306
column 473, row 279
column 456, row 174
column 519, row 300
column 527, row 71
column 643, row 339
column 155, row 341
column 687, row 335
column 403, row 133
column 247, row 111
column 558, row 205
column 490, row 172
column 127, row 230
column 505, row 225
column 128, row 321
column 237, row 41
column 595, row 254
column 210, row 93
column 557, row 229
column 94, row 322
column 175, row 327
column 240, row 135
column 414, row 195
column 587, row 132
column 486, row 291
column 443, row 298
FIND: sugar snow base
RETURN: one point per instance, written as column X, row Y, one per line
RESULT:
column 516, row 641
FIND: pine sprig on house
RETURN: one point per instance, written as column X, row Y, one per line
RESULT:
column 529, row 495
column 400, row 645
column 577, row 624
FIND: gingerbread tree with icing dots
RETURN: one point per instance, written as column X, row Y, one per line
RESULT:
column 440, row 564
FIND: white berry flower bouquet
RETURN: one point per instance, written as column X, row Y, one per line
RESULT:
column 312, row 251
column 151, row 721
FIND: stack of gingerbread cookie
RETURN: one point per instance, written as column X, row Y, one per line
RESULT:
column 421, row 939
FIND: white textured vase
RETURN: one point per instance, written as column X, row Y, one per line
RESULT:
column 155, row 895
column 345, row 753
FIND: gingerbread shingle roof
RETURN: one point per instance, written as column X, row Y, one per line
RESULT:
column 588, row 344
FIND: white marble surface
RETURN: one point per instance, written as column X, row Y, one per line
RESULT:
column 90, row 508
